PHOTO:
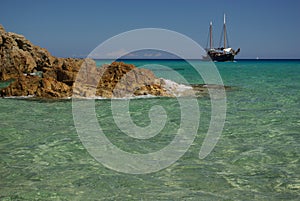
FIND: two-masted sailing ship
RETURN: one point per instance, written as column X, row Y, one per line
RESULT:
column 224, row 53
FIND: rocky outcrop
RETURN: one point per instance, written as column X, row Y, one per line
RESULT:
column 18, row 56
column 117, row 80
column 122, row 80
column 38, row 87
column 64, row 69
column 20, row 60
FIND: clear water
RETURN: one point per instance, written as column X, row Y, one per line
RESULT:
column 257, row 157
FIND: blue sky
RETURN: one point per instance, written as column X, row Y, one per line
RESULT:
column 265, row 28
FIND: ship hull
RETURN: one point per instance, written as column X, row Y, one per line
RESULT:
column 221, row 57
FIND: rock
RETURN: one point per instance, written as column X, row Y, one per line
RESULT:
column 53, row 88
column 117, row 80
column 63, row 70
column 38, row 87
column 2, row 30
column 125, row 80
column 18, row 56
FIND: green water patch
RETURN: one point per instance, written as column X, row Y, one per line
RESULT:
column 5, row 83
column 139, row 113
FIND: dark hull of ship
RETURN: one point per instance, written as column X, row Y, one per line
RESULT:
column 221, row 57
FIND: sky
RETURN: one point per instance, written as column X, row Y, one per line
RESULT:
column 72, row 28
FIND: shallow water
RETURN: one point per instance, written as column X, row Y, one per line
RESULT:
column 256, row 158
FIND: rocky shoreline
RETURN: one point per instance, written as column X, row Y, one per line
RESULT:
column 37, row 73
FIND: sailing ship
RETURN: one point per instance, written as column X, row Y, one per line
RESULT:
column 224, row 53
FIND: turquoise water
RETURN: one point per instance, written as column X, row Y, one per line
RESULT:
column 256, row 158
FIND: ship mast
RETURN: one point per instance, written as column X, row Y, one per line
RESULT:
column 210, row 36
column 224, row 30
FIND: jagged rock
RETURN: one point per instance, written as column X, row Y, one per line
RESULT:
column 122, row 80
column 2, row 30
column 18, row 56
column 118, row 80
column 63, row 70
column 27, row 85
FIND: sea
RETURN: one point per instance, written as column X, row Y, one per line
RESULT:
column 256, row 157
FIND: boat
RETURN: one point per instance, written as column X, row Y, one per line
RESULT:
column 224, row 53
